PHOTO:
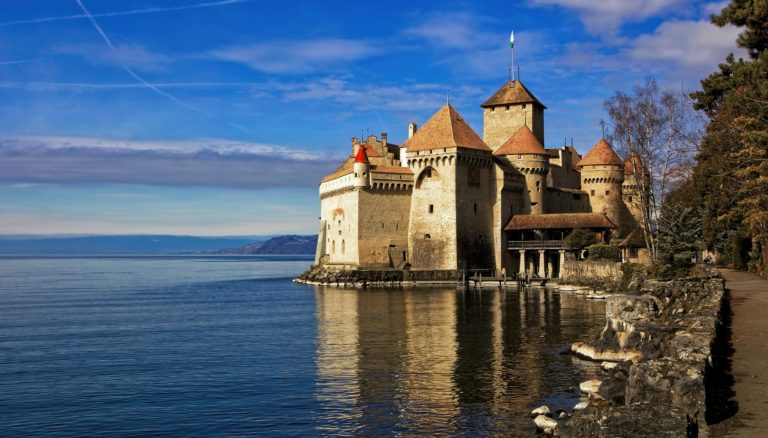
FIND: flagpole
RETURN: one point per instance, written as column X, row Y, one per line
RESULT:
column 512, row 46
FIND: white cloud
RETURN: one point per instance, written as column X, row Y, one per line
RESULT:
column 298, row 56
column 205, row 162
column 714, row 8
column 605, row 17
column 697, row 44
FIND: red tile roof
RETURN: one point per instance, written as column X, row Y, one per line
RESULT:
column 559, row 221
column 521, row 142
column 601, row 154
column 446, row 128
column 391, row 169
column 511, row 93
column 361, row 155
column 345, row 169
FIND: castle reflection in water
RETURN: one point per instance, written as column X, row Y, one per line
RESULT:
column 438, row 361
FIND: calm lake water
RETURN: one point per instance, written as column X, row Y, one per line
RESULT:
column 229, row 346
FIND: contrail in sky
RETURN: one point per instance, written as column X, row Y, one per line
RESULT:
column 143, row 81
column 20, row 61
column 131, row 12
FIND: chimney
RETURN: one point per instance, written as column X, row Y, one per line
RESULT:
column 411, row 129
column 384, row 140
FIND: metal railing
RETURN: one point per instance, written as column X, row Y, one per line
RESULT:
column 535, row 244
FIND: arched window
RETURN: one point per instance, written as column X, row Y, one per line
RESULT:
column 333, row 247
column 343, row 247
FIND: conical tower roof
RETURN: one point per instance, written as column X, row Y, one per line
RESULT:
column 512, row 93
column 446, row 128
column 362, row 156
column 521, row 142
column 601, row 154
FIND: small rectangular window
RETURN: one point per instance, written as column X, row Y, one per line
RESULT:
column 592, row 192
column 629, row 198
column 431, row 208
column 475, row 206
column 427, row 236
column 607, row 193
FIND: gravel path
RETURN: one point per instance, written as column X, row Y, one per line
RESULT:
column 749, row 366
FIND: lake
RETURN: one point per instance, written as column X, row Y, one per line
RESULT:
column 229, row 346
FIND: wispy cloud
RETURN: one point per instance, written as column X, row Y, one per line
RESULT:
column 19, row 61
column 605, row 17
column 80, row 86
column 377, row 96
column 133, row 55
column 122, row 13
column 204, row 162
column 451, row 30
column 296, row 57
column 146, row 83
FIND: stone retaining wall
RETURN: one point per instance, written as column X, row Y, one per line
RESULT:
column 672, row 332
column 600, row 275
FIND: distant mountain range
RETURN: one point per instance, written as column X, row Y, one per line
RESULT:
column 157, row 244
column 131, row 244
column 276, row 245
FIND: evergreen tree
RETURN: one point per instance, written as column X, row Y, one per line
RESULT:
column 732, row 172
column 679, row 239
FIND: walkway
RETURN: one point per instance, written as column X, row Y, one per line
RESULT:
column 749, row 304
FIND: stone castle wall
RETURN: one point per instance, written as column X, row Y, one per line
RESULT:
column 499, row 123
column 340, row 213
column 475, row 188
column 383, row 227
column 433, row 227
column 603, row 186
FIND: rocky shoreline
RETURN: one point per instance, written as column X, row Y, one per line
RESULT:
column 361, row 278
column 659, row 350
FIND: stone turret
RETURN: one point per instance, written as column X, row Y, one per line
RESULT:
column 602, row 176
column 362, row 168
column 524, row 151
column 510, row 108
column 634, row 172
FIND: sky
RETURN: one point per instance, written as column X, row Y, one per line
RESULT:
column 219, row 117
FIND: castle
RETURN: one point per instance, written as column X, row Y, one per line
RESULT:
column 448, row 200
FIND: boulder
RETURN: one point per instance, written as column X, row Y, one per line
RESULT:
column 541, row 410
column 590, row 386
column 543, row 422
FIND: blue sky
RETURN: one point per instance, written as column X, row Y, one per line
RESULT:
column 220, row 117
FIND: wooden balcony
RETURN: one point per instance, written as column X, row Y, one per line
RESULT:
column 534, row 244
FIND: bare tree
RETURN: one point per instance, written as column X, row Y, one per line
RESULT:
column 661, row 129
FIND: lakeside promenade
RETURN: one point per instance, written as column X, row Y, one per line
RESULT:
column 749, row 366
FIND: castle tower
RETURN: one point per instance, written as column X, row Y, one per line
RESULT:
column 362, row 168
column 450, row 217
column 510, row 108
column 602, row 175
column 631, row 189
column 524, row 151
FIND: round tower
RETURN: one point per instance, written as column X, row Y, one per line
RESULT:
column 525, row 152
column 602, row 175
column 362, row 168
column 631, row 189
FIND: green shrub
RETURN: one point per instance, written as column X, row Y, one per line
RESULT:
column 579, row 239
column 603, row 251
